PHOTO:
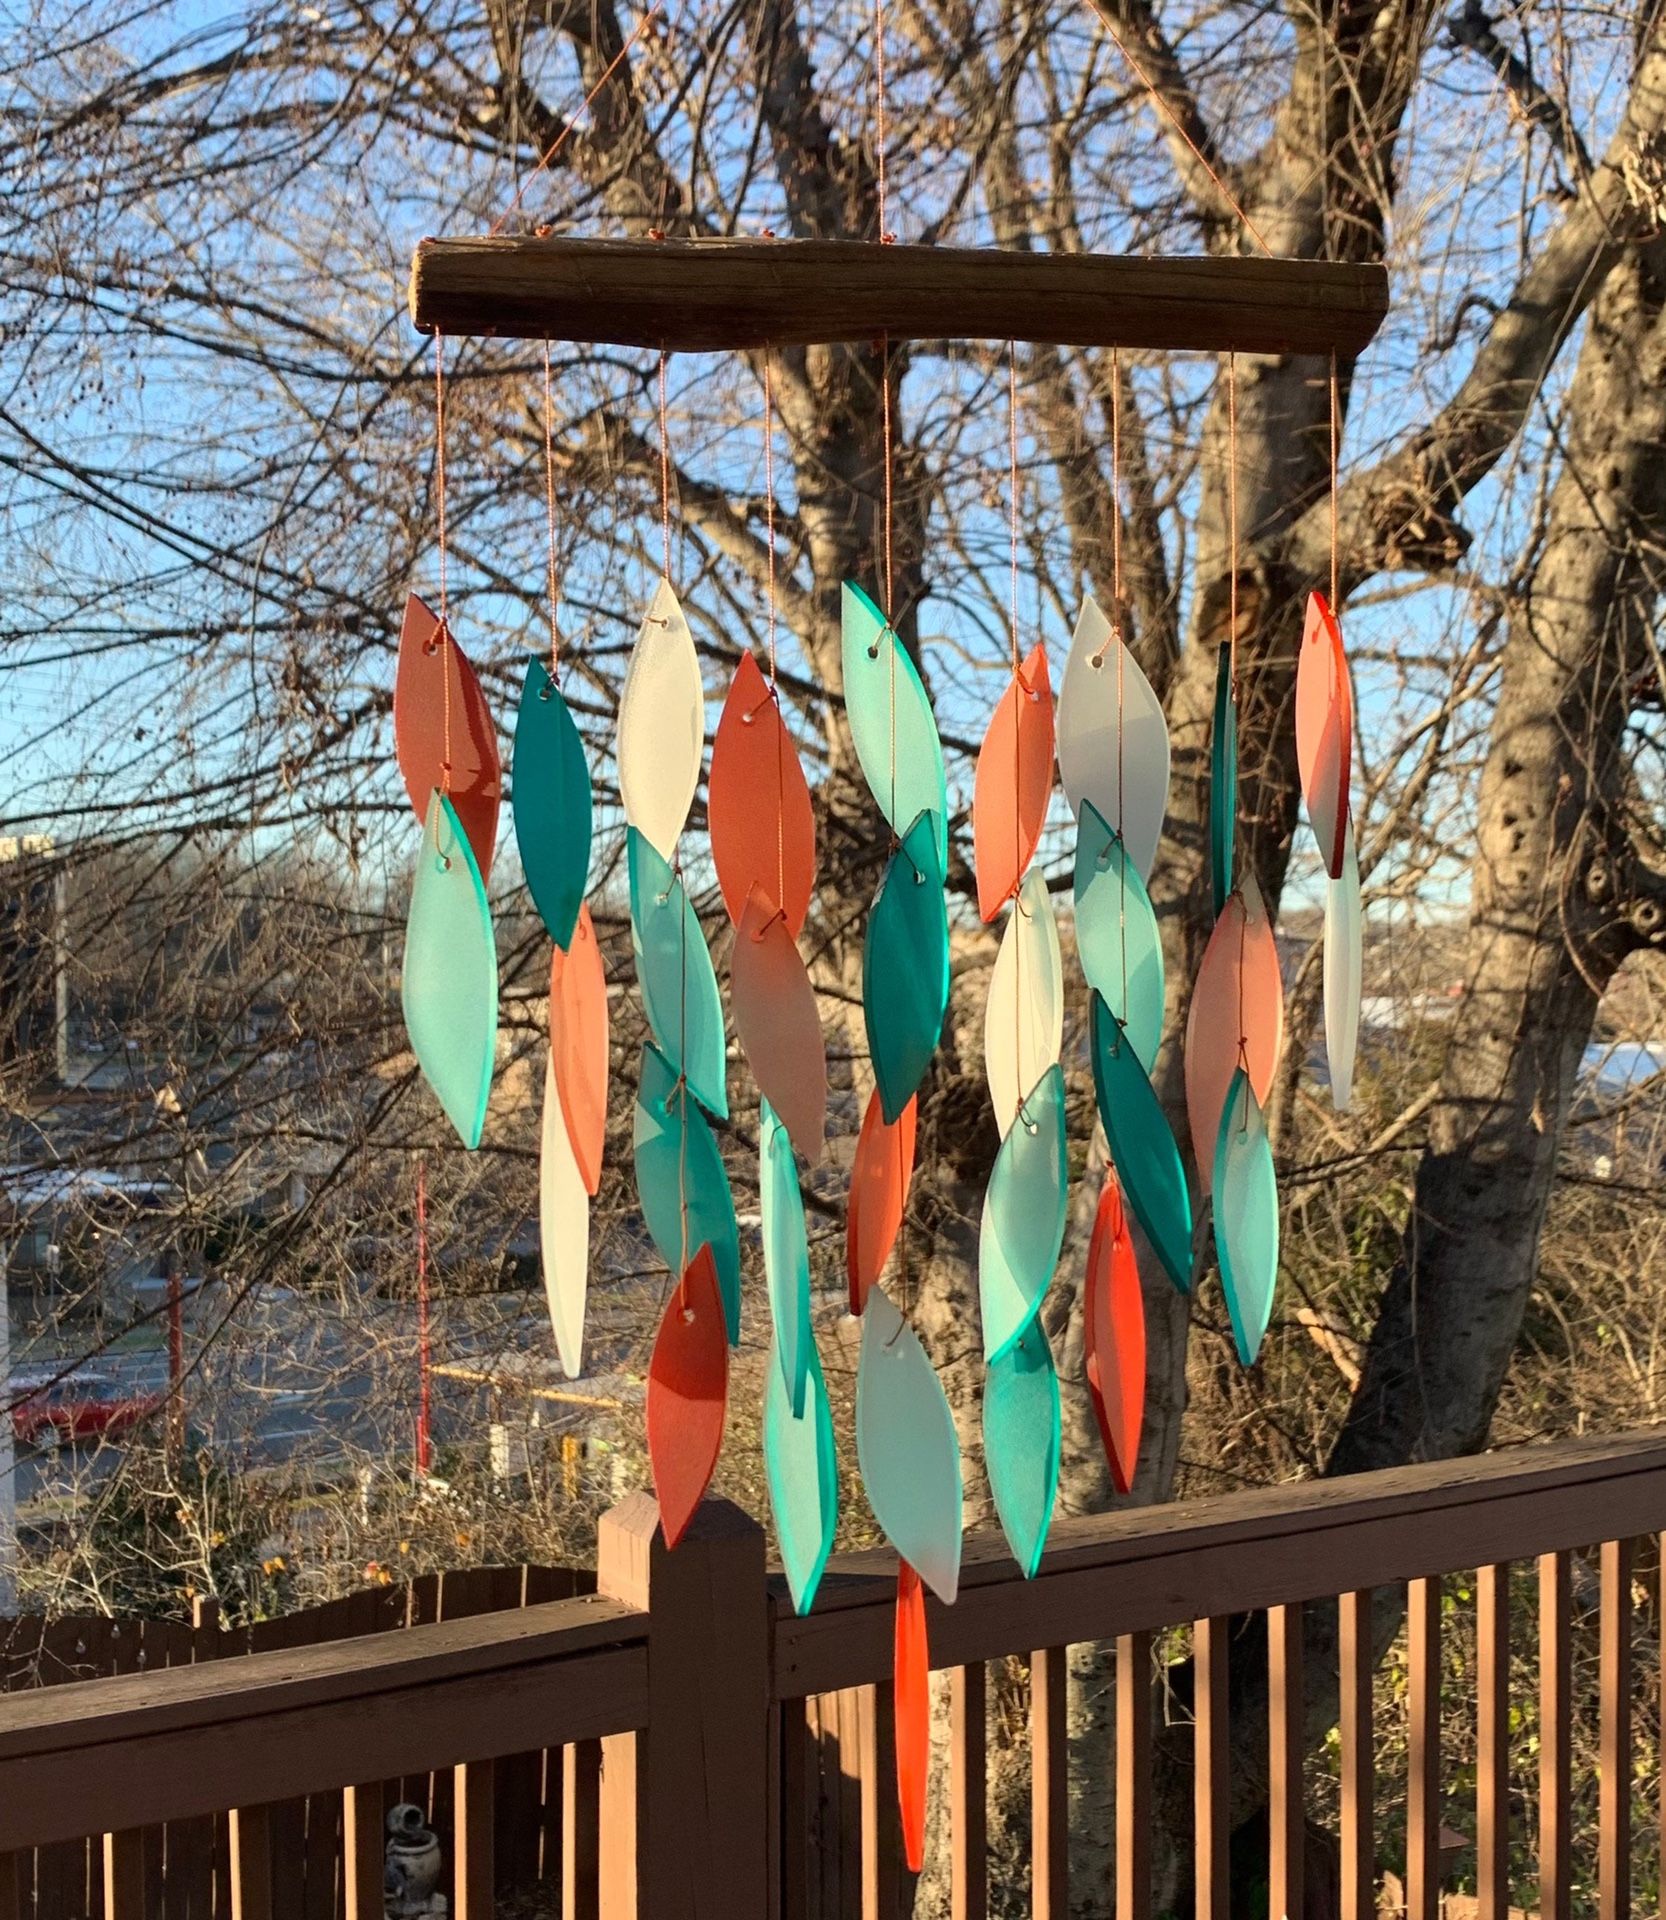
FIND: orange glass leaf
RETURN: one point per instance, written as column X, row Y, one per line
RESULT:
column 1239, row 995
column 1324, row 730
column 428, row 666
column 1014, row 783
column 911, row 1703
column 578, row 1045
column 758, row 803
column 879, row 1177
column 688, row 1391
column 1113, row 1331
column 779, row 1023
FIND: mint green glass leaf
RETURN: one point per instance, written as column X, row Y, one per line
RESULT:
column 1021, row 1442
column 803, row 1473
column 1223, row 781
column 905, row 967
column 1116, row 933
column 786, row 1253
column 671, row 1172
column 1246, row 1216
column 1147, row 1160
column 674, row 968
column 901, row 756
column 448, row 986
column 550, row 795
column 1022, row 1228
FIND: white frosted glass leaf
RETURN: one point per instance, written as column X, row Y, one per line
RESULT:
column 891, row 721
column 1100, row 676
column 1023, row 1027
column 1344, row 971
column 662, row 725
column 564, row 1230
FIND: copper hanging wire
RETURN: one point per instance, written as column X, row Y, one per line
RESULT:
column 664, row 470
column 439, row 501
column 1335, row 529
column 1232, row 680
column 549, row 506
column 1017, row 730
column 1121, row 676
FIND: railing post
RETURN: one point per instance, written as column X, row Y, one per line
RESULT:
column 685, row 1805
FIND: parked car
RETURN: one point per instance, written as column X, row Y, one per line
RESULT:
column 83, row 1405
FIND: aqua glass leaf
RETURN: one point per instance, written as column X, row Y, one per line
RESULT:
column 1116, row 934
column 1344, row 971
column 891, row 722
column 1113, row 742
column 802, row 1469
column 448, row 986
column 1023, row 1020
column 677, row 1162
column 1246, row 1216
column 905, row 967
column 1022, row 1228
column 1147, row 1160
column 674, row 968
column 1223, row 780
column 786, row 1253
column 550, row 796
column 1021, row 1442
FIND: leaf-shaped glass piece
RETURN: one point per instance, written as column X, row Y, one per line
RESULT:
column 879, row 1180
column 907, row 1447
column 1238, row 996
column 564, row 1230
column 1113, row 1336
column 578, row 1044
column 1223, row 781
column 1116, row 934
column 1344, row 971
column 438, row 706
column 662, row 725
column 670, row 1173
column 911, row 1704
column 1147, row 1160
column 1246, row 1216
column 786, row 1253
column 688, row 1393
column 778, row 1022
column 758, row 804
column 550, row 796
column 1324, row 729
column 1101, row 678
column 905, row 966
column 449, row 984
column 1021, row 1442
column 1022, row 1228
column 1023, row 1018
column 678, row 980
column 891, row 723
column 803, row 1473
column 1013, row 784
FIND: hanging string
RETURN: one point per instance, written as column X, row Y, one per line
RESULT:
column 1121, row 655
column 886, row 236
column 549, row 505
column 1012, row 491
column 664, row 470
column 445, row 612
column 1232, row 520
column 1335, row 530
column 1018, row 729
column 774, row 691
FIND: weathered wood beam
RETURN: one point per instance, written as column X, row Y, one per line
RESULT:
column 690, row 296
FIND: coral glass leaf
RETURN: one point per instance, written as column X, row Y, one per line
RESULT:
column 578, row 1044
column 1021, row 1442
column 564, row 1230
column 907, row 1447
column 688, row 1392
column 662, row 725
column 1223, row 782
column 1344, row 972
column 677, row 1174
column 1108, row 714
column 905, row 967
column 1246, row 1216
column 758, row 803
column 1113, row 1336
column 1238, row 995
column 1147, row 1160
column 911, row 1704
column 1117, row 940
column 879, row 1180
column 1324, row 730
column 1022, row 1228
column 778, row 1022
column 550, row 796
column 1013, row 785
column 449, row 983
column 802, row 1469
column 1023, row 1018
column 674, row 969
column 891, row 722
column 786, row 1254
column 439, row 711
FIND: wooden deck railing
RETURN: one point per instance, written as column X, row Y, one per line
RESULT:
column 707, row 1753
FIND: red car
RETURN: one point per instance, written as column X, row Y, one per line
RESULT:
column 81, row 1406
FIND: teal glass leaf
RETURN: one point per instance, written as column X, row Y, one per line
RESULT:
column 1021, row 1442
column 1223, row 781
column 905, row 967
column 1147, row 1160
column 802, row 1469
column 1116, row 933
column 786, row 1253
column 1246, row 1216
column 678, row 1163
column 674, row 968
column 1022, row 1228
column 550, row 796
column 448, row 985
column 891, row 722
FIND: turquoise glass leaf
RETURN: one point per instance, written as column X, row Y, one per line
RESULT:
column 550, row 796
column 1246, row 1216
column 1147, row 1160
column 802, row 1469
column 1021, row 1442
column 1116, row 933
column 905, row 967
column 1022, row 1228
column 678, row 1164
column 891, row 722
column 1223, row 780
column 674, row 968
column 448, row 985
column 786, row 1253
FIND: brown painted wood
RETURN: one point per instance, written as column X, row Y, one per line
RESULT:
column 474, row 1835
column 581, row 1825
column 1423, row 1750
column 968, row 1795
column 1286, row 1809
column 882, row 1861
column 1555, row 1738
column 1133, row 1777
column 1356, row 1730
column 124, row 1876
column 793, row 1769
column 1211, row 1824
column 1049, row 1788
column 251, row 1864
column 1614, row 1739
column 363, row 1849
column 847, row 1801
column 1660, row 1705
column 1492, row 1743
